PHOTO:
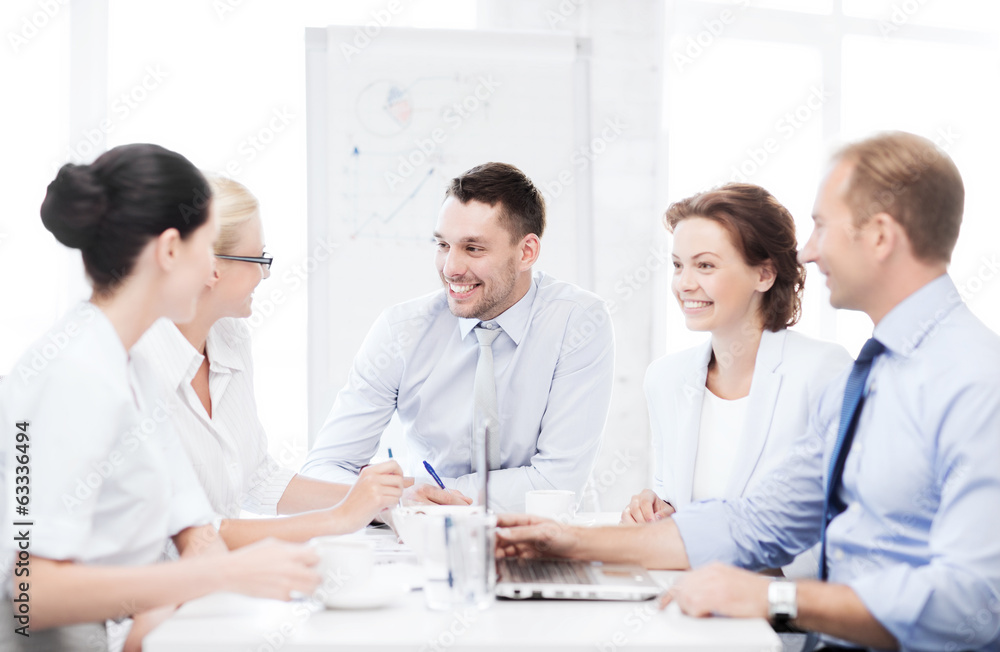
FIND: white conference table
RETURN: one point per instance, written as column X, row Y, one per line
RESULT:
column 231, row 623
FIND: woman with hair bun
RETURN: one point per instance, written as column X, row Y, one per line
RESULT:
column 726, row 413
column 101, row 474
column 206, row 365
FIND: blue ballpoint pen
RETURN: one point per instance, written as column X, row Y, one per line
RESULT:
column 430, row 469
column 447, row 537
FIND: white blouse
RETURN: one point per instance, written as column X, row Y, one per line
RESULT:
column 109, row 481
column 718, row 442
column 229, row 449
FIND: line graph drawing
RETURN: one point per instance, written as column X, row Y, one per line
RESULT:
column 396, row 145
column 402, row 205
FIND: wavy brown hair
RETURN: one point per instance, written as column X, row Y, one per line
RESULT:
column 763, row 231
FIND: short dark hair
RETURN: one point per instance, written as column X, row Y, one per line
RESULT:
column 522, row 207
column 112, row 208
column 762, row 230
column 910, row 178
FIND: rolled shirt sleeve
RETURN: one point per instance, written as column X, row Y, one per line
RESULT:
column 267, row 485
column 952, row 601
column 189, row 507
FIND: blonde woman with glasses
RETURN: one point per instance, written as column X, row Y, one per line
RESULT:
column 206, row 367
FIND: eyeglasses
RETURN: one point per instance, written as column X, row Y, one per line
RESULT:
column 264, row 260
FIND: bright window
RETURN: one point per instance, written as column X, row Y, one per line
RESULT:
column 918, row 66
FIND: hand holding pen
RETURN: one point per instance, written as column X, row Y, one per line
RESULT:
column 422, row 493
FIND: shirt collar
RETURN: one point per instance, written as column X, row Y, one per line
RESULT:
column 221, row 347
column 179, row 360
column 917, row 316
column 513, row 320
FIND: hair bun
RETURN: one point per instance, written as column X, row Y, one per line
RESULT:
column 74, row 206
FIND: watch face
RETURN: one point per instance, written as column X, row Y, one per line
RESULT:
column 781, row 600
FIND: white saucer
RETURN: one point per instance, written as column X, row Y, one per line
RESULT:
column 383, row 589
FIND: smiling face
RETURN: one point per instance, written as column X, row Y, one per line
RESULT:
column 836, row 245
column 484, row 274
column 233, row 291
column 715, row 288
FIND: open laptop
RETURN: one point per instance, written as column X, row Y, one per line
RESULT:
column 560, row 579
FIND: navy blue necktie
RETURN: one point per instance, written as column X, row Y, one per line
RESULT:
column 849, row 411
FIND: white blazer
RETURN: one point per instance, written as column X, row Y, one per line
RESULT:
column 790, row 373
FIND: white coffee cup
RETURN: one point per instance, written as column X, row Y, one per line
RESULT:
column 345, row 566
column 559, row 504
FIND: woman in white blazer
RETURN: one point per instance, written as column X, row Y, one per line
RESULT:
column 99, row 477
column 206, row 367
column 726, row 413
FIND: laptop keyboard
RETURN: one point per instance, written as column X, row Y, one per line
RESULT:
column 543, row 571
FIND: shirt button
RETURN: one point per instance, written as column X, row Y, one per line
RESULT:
column 838, row 554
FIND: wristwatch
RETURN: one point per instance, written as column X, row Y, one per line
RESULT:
column 781, row 602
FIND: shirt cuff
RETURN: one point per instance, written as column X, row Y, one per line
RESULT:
column 329, row 472
column 704, row 529
column 892, row 598
column 263, row 497
column 189, row 509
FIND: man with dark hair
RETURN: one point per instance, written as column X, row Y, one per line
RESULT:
column 499, row 344
column 897, row 472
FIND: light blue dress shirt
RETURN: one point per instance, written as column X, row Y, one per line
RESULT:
column 920, row 540
column 554, row 365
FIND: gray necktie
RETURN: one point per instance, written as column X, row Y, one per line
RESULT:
column 485, row 408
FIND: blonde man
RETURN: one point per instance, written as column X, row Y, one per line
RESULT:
column 898, row 467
